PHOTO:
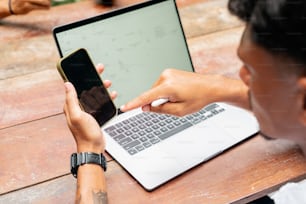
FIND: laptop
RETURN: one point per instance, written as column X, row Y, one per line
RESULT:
column 136, row 44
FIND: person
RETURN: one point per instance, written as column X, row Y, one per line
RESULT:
column 272, row 85
column 19, row 7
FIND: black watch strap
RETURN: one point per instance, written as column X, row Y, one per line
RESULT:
column 81, row 158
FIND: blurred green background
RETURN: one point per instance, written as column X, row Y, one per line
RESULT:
column 61, row 2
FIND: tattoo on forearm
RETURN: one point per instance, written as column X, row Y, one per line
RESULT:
column 99, row 197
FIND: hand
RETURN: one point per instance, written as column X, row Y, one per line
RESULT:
column 25, row 6
column 187, row 92
column 84, row 127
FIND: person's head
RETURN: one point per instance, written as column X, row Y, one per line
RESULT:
column 273, row 51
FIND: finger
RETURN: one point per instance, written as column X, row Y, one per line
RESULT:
column 143, row 100
column 107, row 83
column 113, row 95
column 100, row 68
column 169, row 108
column 72, row 106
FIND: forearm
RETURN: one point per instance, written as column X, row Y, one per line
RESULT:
column 91, row 185
column 224, row 89
column 4, row 8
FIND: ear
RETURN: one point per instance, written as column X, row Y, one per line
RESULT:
column 302, row 86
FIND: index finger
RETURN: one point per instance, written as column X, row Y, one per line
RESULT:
column 144, row 99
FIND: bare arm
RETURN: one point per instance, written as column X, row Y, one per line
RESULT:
column 189, row 92
column 17, row 7
column 91, row 184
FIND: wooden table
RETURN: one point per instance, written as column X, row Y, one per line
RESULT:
column 35, row 143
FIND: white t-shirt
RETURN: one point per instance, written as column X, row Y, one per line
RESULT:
column 290, row 193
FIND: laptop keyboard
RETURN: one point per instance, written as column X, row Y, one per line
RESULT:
column 146, row 129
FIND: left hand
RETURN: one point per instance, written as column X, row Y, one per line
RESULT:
column 84, row 127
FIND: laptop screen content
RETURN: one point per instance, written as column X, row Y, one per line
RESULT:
column 135, row 46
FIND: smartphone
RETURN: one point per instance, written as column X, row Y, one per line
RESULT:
column 94, row 98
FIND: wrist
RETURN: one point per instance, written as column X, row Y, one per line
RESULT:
column 90, row 148
column 224, row 89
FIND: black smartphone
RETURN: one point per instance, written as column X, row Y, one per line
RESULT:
column 94, row 98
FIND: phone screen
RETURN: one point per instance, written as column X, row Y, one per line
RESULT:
column 93, row 96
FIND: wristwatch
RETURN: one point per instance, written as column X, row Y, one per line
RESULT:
column 78, row 159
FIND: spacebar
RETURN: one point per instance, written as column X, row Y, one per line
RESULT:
column 173, row 131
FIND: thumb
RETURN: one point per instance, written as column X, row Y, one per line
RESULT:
column 72, row 107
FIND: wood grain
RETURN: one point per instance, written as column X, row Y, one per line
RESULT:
column 242, row 174
column 38, row 23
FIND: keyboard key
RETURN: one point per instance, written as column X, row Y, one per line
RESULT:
column 173, row 131
column 150, row 136
column 125, row 141
column 132, row 151
column 147, row 144
column 135, row 136
column 119, row 137
column 139, row 148
column 143, row 139
column 131, row 144
column 110, row 129
column 154, row 140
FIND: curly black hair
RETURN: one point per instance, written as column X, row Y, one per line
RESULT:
column 277, row 25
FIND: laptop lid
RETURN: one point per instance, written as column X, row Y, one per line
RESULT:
column 135, row 44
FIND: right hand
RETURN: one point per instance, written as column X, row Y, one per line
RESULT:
column 187, row 92
column 25, row 6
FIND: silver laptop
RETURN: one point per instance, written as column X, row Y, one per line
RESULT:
column 136, row 44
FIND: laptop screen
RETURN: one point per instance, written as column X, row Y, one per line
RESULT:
column 135, row 44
